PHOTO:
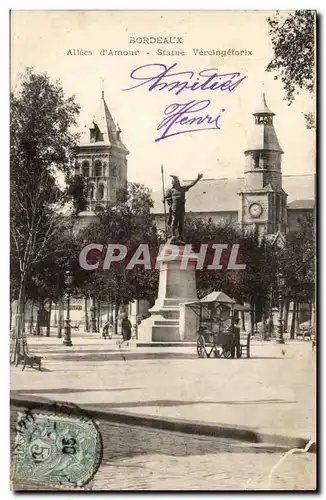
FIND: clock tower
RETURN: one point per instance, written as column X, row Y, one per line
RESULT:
column 262, row 199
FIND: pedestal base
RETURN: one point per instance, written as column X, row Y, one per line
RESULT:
column 177, row 285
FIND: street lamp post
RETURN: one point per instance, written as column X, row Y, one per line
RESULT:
column 280, row 338
column 67, row 333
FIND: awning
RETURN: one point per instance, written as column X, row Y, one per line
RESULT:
column 217, row 297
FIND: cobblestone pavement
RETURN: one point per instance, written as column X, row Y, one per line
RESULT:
column 137, row 458
column 273, row 392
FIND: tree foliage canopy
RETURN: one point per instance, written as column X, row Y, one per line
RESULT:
column 293, row 40
column 41, row 145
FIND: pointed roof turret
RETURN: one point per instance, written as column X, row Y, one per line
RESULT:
column 264, row 136
column 263, row 108
column 102, row 128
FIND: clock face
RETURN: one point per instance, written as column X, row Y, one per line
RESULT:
column 255, row 210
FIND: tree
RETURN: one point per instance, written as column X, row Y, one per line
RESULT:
column 297, row 263
column 293, row 40
column 76, row 189
column 41, row 146
column 250, row 285
column 128, row 222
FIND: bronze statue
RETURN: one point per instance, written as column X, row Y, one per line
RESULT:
column 176, row 199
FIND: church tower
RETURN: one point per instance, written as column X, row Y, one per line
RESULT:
column 102, row 158
column 263, row 201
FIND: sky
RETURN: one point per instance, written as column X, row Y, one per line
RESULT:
column 42, row 39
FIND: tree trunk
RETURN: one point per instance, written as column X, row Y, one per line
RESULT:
column 60, row 317
column 242, row 320
column 252, row 320
column 116, row 312
column 18, row 317
column 286, row 315
column 93, row 316
column 264, row 325
column 293, row 321
column 48, row 326
column 10, row 317
column 55, row 323
column 38, row 331
column 108, row 312
column 313, row 315
column 31, row 322
column 23, row 316
column 86, row 319
column 298, row 316
column 98, row 319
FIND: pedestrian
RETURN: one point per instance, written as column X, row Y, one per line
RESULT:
column 126, row 329
column 105, row 330
column 236, row 348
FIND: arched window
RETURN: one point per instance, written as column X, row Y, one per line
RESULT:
column 91, row 192
column 85, row 168
column 100, row 192
column 77, row 169
column 98, row 168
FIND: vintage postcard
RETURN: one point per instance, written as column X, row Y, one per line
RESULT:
column 162, row 297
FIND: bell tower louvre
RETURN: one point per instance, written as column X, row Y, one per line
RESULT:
column 263, row 200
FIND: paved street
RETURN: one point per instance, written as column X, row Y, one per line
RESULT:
column 272, row 392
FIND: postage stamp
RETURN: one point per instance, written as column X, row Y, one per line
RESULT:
column 55, row 450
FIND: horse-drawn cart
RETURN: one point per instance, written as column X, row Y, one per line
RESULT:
column 216, row 334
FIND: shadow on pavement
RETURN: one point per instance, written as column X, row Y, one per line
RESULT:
column 150, row 403
column 121, row 441
column 66, row 390
column 123, row 355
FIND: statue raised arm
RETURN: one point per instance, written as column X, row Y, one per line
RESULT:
column 176, row 200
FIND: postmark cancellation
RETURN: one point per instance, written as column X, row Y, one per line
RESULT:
column 54, row 450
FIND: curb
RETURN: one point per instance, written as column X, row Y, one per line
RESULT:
column 247, row 434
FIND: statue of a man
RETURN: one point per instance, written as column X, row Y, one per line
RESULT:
column 176, row 199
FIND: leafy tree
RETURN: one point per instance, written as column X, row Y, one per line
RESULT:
column 293, row 40
column 251, row 285
column 130, row 223
column 76, row 189
column 42, row 144
column 297, row 262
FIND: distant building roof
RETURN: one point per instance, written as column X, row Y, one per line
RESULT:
column 220, row 195
column 302, row 205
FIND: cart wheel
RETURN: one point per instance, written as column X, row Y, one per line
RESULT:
column 226, row 353
column 201, row 351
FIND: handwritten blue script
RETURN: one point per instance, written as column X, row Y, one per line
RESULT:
column 158, row 76
column 182, row 118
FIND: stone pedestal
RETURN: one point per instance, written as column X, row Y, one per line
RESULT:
column 177, row 284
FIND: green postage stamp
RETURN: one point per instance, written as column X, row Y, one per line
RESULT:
column 52, row 450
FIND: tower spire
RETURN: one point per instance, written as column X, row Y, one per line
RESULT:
column 102, row 79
